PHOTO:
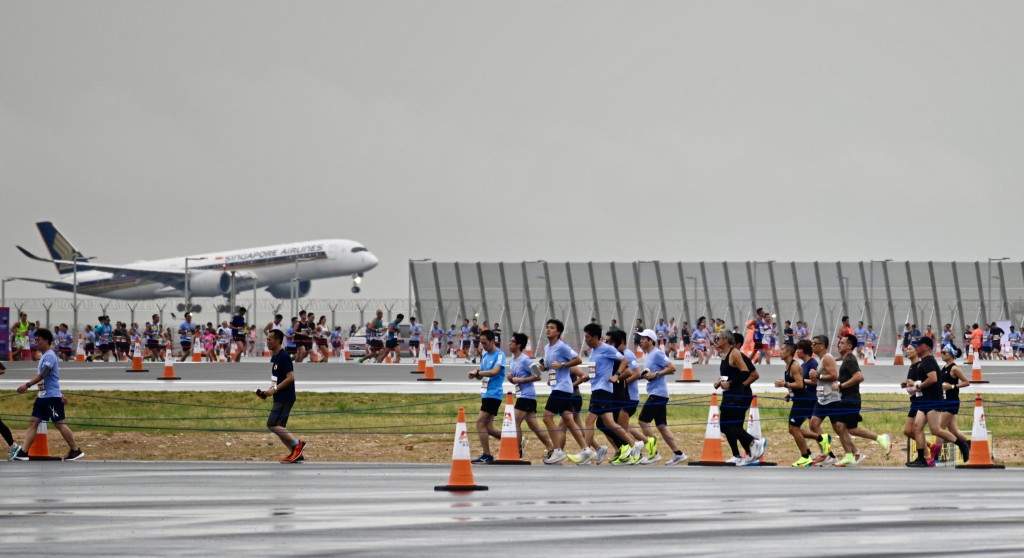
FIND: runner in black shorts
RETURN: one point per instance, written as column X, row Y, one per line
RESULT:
column 931, row 403
column 561, row 361
column 283, row 389
column 793, row 380
column 953, row 379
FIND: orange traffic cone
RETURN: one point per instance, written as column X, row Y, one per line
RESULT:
column 461, row 477
column 981, row 454
column 387, row 359
column 869, row 356
column 970, row 355
column 266, row 350
column 508, row 452
column 428, row 374
column 169, row 366
column 687, row 370
column 754, row 429
column 712, row 453
column 197, row 349
column 421, row 364
column 40, row 445
column 898, row 359
column 435, row 353
column 80, row 351
column 976, row 373
column 137, row 359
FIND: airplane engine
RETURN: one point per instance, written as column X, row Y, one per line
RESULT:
column 284, row 290
column 209, row 283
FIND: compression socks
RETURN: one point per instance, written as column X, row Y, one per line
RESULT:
column 6, row 433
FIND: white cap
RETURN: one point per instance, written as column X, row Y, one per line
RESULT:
column 649, row 333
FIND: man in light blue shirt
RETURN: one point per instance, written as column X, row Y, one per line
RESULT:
column 656, row 367
column 560, row 357
column 415, row 331
column 49, row 404
column 523, row 376
column 492, row 375
column 608, row 363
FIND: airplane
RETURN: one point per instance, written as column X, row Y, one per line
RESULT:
column 272, row 268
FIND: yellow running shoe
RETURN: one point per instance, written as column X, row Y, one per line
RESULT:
column 849, row 460
column 826, row 444
column 803, row 462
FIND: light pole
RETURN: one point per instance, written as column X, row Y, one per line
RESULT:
column 694, row 279
column 3, row 290
column 74, row 296
column 295, row 285
column 989, row 305
column 188, row 294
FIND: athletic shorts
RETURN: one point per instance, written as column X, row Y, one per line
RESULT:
column 391, row 343
column 238, row 338
column 279, row 413
column 673, row 340
column 308, row 345
column 985, row 349
column 630, row 406
column 833, row 411
column 758, row 345
column 490, row 405
column 465, row 343
column 290, row 350
column 48, row 409
column 850, row 413
column 526, row 405
column 124, row 347
column 559, row 402
column 64, row 350
column 655, row 410
column 186, row 344
column 996, row 346
column 952, row 406
column 476, row 343
column 104, row 348
column 800, row 412
column 413, row 343
column 603, row 401
column 90, row 347
column 150, row 344
column 376, row 344
column 577, row 403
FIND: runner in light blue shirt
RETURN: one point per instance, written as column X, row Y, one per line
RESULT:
column 523, row 377
column 49, row 404
column 492, row 375
column 656, row 367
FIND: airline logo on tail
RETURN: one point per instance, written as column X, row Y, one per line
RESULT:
column 59, row 247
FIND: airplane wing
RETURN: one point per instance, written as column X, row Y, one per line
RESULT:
column 172, row 277
column 54, row 284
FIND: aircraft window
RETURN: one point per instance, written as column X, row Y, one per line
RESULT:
column 359, row 249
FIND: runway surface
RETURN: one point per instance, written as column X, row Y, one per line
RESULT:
column 266, row 509
column 1004, row 377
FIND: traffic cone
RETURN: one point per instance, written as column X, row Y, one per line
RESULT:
column 421, row 364
column 976, row 373
column 981, row 454
column 711, row 455
column 137, row 359
column 508, row 452
column 266, row 350
column 970, row 355
column 80, row 351
column 898, row 359
column 169, row 366
column 435, row 353
column 639, row 353
column 428, row 374
column 687, row 371
column 461, row 477
column 869, row 357
column 387, row 359
column 41, row 445
column 754, row 429
column 197, row 349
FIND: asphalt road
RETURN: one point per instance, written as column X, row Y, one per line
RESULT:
column 90, row 508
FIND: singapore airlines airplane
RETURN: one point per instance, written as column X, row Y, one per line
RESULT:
column 270, row 267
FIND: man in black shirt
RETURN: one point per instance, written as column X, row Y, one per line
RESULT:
column 932, row 399
column 996, row 333
column 850, row 378
column 282, row 387
column 238, row 329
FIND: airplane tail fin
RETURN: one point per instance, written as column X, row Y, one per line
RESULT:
column 59, row 247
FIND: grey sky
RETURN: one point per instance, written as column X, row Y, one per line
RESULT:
column 510, row 131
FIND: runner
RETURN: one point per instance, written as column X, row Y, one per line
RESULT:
column 465, row 339
column 801, row 331
column 90, row 343
column 450, row 338
column 673, row 339
column 415, row 331
column 558, row 356
column 301, row 338
column 64, row 341
column 323, row 337
column 104, row 339
column 735, row 379
column 930, row 404
column 154, row 335
column 627, row 392
column 224, row 340
column 391, row 344
column 701, row 341
column 496, row 330
column 953, row 380
column 474, row 332
column 492, row 375
column 803, row 407
column 862, row 339
column 210, row 343
column 661, row 329
column 336, row 340
column 49, row 404
column 850, row 378
column 608, row 364
column 436, row 333
column 657, row 365
column 186, row 332
column 13, row 448
column 829, row 402
column 282, row 387
column 522, row 376
column 996, row 333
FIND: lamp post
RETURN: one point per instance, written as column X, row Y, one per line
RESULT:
column 188, row 294
column 295, row 284
column 74, row 296
column 3, row 290
column 694, row 279
column 989, row 305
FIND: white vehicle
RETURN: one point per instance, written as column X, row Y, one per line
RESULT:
column 272, row 268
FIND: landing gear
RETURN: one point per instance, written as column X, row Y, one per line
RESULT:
column 355, row 289
column 356, row 279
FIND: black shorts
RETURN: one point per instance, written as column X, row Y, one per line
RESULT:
column 391, row 343
column 490, row 406
column 629, row 406
column 996, row 347
column 526, row 405
column 104, row 348
column 48, row 409
column 238, row 338
column 186, row 344
column 465, row 343
column 152, row 344
column 850, row 414
column 952, row 406
column 655, row 410
column 985, row 349
column 603, row 401
column 279, row 413
column 376, row 344
column 577, row 403
column 476, row 343
column 559, row 402
column 799, row 413
column 123, row 347
column 915, row 406
column 90, row 347
column 413, row 344
column 308, row 345
column 64, row 350
column 833, row 411
column 758, row 345
column 291, row 350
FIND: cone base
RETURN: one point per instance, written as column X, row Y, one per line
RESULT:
column 993, row 466
column 510, row 462
column 44, row 458
column 979, row 381
column 168, row 378
column 451, row 488
column 687, row 381
column 415, row 372
column 710, row 464
column 130, row 371
column 428, row 379
column 765, row 464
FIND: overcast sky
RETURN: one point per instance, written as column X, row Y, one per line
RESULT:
column 509, row 131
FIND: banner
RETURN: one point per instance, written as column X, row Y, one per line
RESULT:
column 5, row 333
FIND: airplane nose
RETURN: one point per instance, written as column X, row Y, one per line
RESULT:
column 370, row 260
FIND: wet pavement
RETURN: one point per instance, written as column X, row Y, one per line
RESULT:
column 266, row 509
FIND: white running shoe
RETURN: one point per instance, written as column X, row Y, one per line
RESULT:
column 557, row 456
column 859, row 458
column 747, row 461
column 676, row 460
column 602, row 452
column 587, row 457
column 828, row 462
column 648, row 460
column 734, row 460
column 757, row 448
column 638, row 449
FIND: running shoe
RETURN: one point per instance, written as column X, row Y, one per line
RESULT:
column 574, row 457
column 522, row 448
column 860, row 457
column 886, row 444
column 555, row 456
column 21, row 455
column 825, row 443
column 748, row 461
column 647, row 460
column 484, row 458
column 676, row 459
column 652, row 446
column 635, row 457
column 624, row 451
column 803, row 462
column 931, row 463
column 13, row 451
column 602, row 452
column 587, row 457
column 965, row 450
column 829, row 461
column 848, row 460
column 936, row 449
column 74, row 455
column 734, row 460
column 919, row 462
column 622, row 461
column 757, row 448
column 821, row 458
column 638, row 451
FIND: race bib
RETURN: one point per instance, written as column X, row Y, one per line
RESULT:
column 552, row 378
column 483, row 384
